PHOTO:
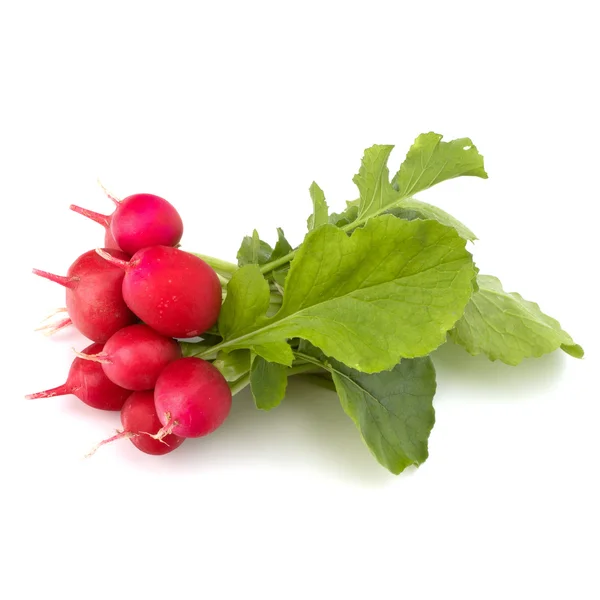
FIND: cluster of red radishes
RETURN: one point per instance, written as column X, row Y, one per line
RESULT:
column 132, row 298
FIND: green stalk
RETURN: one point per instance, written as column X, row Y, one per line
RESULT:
column 312, row 360
column 270, row 266
column 217, row 264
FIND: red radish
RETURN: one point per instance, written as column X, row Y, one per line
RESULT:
column 140, row 422
column 87, row 381
column 139, row 221
column 135, row 356
column 145, row 220
column 192, row 398
column 94, row 296
column 104, row 220
column 172, row 291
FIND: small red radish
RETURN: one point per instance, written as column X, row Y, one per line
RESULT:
column 192, row 398
column 144, row 220
column 94, row 295
column 172, row 291
column 139, row 221
column 140, row 422
column 87, row 381
column 104, row 220
column 135, row 356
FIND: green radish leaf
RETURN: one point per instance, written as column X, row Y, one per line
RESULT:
column 320, row 214
column 246, row 303
column 408, row 209
column 430, row 161
column 254, row 251
column 391, row 290
column 393, row 410
column 282, row 247
column 504, row 326
column 244, row 308
column 373, row 182
column 275, row 352
column 415, row 209
column 268, row 382
column 233, row 365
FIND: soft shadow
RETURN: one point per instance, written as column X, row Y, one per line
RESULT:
column 495, row 379
column 308, row 428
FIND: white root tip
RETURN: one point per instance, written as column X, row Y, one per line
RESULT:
column 109, row 195
column 166, row 430
column 48, row 327
column 99, row 358
column 120, row 435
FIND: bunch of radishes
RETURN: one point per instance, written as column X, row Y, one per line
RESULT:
column 132, row 298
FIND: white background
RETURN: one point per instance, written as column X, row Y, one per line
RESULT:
column 230, row 110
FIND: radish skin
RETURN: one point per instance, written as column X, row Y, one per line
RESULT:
column 94, row 295
column 144, row 220
column 192, row 398
column 134, row 357
column 172, row 291
column 140, row 422
column 87, row 381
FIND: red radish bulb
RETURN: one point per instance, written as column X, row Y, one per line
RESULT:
column 94, row 295
column 172, row 291
column 135, row 356
column 87, row 381
column 140, row 422
column 139, row 221
column 192, row 398
column 144, row 220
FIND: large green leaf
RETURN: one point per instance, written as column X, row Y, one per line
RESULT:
column 391, row 290
column 504, row 326
column 268, row 382
column 430, row 161
column 393, row 410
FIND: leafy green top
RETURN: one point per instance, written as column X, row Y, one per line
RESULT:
column 504, row 326
column 391, row 290
column 367, row 296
